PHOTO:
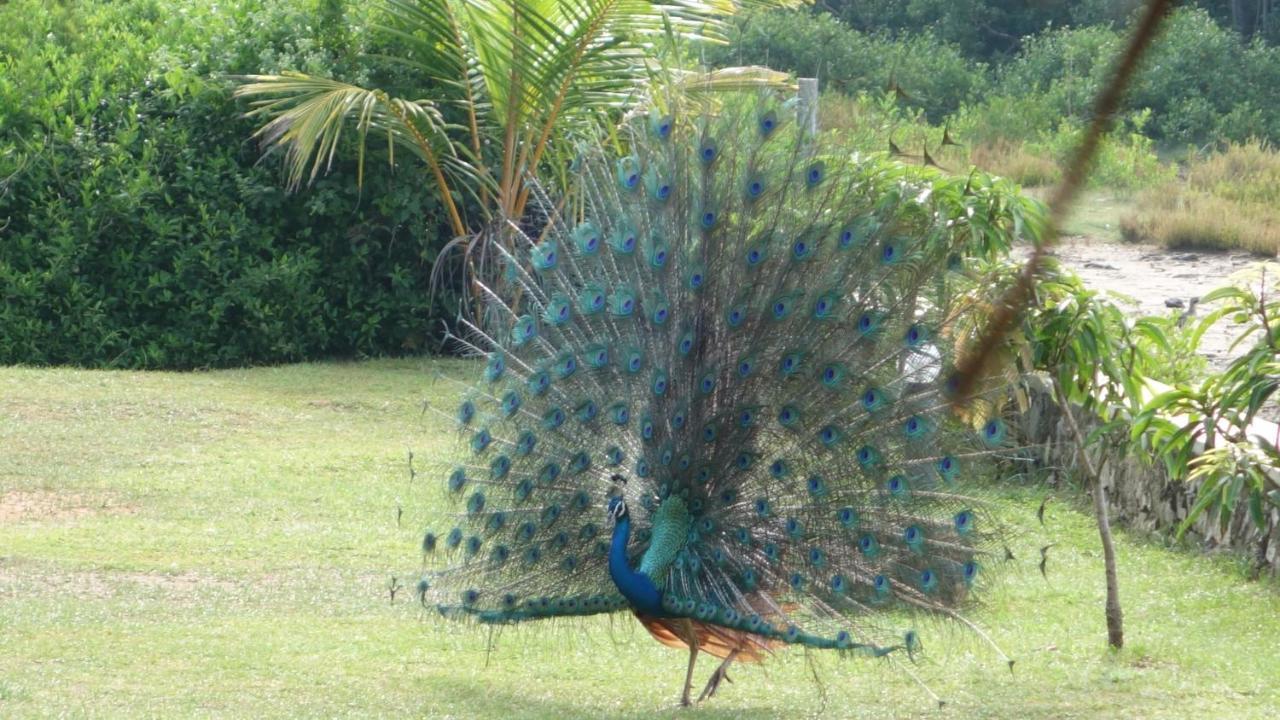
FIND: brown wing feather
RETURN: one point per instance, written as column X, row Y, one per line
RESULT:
column 712, row 639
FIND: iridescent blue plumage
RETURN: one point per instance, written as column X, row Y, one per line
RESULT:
column 715, row 395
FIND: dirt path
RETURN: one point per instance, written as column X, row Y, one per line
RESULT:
column 1151, row 275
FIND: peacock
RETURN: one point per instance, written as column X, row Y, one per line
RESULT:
column 717, row 393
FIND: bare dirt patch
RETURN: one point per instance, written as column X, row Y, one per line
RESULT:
column 42, row 505
column 1151, row 275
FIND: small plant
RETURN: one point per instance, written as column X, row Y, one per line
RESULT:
column 1202, row 431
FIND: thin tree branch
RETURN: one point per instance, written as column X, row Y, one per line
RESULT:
column 1011, row 307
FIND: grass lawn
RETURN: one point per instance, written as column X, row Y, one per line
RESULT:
column 220, row 544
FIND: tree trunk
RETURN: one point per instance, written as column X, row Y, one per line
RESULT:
column 1114, row 613
column 1115, row 616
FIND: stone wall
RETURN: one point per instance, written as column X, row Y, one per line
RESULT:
column 1140, row 493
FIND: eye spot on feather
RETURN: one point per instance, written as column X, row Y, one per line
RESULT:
column 794, row 528
column 768, row 122
column 707, row 384
column 868, row 456
column 928, row 580
column 881, row 585
column 868, row 546
column 736, row 316
column 457, row 479
column 817, row 558
column 686, row 344
column 847, row 517
column 816, row 486
column 466, row 412
column 499, row 467
column 790, row 364
column 993, row 432
column 660, row 385
column 771, row 552
column 539, row 382
column 872, row 400
column 828, row 435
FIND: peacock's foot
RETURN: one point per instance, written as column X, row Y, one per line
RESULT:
column 684, row 699
column 713, row 683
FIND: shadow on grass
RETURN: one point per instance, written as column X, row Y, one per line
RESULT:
column 482, row 699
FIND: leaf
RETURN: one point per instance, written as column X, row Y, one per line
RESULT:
column 1255, row 509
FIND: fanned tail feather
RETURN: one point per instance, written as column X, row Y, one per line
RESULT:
column 763, row 331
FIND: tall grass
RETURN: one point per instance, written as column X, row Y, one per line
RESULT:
column 1126, row 162
column 1224, row 201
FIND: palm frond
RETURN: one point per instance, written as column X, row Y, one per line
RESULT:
column 308, row 116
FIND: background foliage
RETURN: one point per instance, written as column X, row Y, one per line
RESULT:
column 141, row 226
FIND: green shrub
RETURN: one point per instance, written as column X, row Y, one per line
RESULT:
column 141, row 226
column 1201, row 82
column 934, row 75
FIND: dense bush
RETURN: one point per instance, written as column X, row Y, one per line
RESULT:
column 141, row 227
column 1201, row 82
column 934, row 75
column 981, row 28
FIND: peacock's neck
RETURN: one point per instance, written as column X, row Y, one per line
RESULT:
column 637, row 587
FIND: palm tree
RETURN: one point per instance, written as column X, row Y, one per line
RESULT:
column 524, row 76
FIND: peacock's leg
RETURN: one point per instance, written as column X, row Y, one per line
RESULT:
column 691, row 638
column 721, row 673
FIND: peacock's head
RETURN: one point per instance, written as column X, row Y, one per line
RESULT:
column 617, row 507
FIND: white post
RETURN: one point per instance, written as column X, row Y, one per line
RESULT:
column 808, row 105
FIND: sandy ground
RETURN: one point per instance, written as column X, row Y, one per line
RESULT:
column 1150, row 275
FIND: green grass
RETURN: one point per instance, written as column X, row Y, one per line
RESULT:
column 1097, row 215
column 219, row 544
